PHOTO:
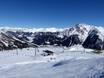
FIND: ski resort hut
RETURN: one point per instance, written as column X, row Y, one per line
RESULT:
column 48, row 52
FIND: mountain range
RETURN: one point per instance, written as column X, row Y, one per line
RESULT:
column 89, row 36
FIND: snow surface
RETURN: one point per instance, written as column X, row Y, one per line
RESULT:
column 73, row 62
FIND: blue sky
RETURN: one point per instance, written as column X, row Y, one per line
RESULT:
column 51, row 13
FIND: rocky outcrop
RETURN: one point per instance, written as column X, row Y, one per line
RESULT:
column 71, row 40
column 93, row 40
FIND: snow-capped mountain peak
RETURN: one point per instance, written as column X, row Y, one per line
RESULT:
column 81, row 30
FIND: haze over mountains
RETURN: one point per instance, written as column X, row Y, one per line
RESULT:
column 89, row 36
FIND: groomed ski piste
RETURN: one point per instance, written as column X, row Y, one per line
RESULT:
column 73, row 62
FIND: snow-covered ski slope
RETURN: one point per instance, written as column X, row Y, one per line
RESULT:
column 73, row 62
